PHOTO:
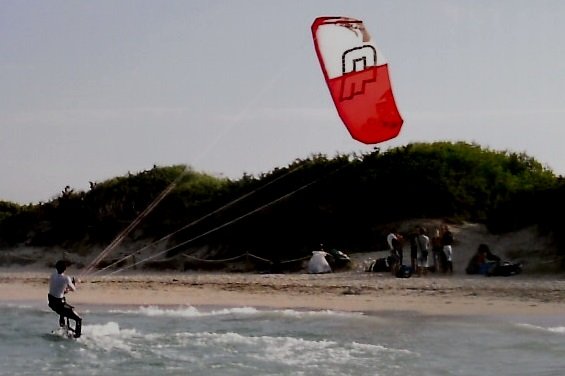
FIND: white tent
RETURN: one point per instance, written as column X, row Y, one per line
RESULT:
column 318, row 263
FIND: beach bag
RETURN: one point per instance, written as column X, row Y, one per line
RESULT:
column 404, row 271
column 318, row 263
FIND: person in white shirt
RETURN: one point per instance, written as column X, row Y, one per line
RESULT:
column 59, row 285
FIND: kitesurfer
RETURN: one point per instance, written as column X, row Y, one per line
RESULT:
column 59, row 285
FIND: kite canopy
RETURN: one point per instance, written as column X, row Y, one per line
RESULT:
column 357, row 75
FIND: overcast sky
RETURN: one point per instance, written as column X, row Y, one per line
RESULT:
column 90, row 90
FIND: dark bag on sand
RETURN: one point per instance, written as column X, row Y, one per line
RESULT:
column 404, row 271
column 505, row 269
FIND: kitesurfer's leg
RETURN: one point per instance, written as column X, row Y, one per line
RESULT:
column 70, row 313
column 78, row 327
column 78, row 323
column 58, row 306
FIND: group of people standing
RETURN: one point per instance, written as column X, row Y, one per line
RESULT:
column 427, row 254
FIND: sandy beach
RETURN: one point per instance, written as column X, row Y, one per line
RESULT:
column 346, row 291
column 531, row 293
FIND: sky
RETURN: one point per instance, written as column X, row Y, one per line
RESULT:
column 90, row 90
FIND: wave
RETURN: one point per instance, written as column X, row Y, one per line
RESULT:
column 190, row 311
column 17, row 305
column 554, row 329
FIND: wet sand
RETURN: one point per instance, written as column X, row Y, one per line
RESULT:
column 346, row 291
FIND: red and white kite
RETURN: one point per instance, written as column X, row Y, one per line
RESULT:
column 357, row 76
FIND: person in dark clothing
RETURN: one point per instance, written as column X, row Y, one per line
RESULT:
column 413, row 249
column 447, row 249
column 482, row 261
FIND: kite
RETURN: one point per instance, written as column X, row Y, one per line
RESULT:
column 357, row 75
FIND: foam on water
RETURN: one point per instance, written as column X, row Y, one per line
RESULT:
column 100, row 337
column 190, row 311
column 18, row 306
column 289, row 350
column 321, row 314
column 107, row 337
column 556, row 329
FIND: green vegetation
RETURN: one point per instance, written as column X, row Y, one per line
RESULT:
column 344, row 201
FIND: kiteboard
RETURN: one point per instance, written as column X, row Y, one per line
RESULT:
column 65, row 331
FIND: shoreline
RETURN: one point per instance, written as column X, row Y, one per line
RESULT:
column 346, row 291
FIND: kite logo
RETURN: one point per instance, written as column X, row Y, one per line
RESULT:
column 359, row 56
column 357, row 60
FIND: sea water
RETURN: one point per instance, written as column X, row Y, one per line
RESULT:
column 187, row 340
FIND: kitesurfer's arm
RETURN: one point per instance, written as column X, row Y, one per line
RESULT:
column 70, row 285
